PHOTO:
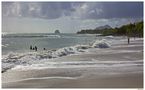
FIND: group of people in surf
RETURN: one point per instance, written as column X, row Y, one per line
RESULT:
column 35, row 48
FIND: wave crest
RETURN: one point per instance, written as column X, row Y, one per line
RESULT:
column 13, row 59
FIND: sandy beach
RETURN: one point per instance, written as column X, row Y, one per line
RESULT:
column 120, row 66
column 75, row 44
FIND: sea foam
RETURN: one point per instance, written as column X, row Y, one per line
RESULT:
column 13, row 59
column 101, row 44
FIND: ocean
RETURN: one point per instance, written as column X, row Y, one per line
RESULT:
column 16, row 47
column 20, row 43
column 16, row 53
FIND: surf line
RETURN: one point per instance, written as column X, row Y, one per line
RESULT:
column 39, row 78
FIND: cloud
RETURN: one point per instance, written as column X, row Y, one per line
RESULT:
column 49, row 10
column 123, row 10
column 107, row 10
column 78, row 10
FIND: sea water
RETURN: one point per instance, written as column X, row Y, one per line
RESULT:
column 20, row 43
column 16, row 47
column 16, row 53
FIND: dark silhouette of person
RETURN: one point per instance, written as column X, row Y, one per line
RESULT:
column 35, row 48
column 31, row 47
column 44, row 48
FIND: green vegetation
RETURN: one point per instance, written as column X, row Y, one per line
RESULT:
column 130, row 30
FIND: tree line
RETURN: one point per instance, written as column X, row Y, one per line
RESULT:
column 130, row 30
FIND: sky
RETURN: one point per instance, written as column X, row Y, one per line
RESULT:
column 68, row 17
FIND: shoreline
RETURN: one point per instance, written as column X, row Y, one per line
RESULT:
column 111, row 76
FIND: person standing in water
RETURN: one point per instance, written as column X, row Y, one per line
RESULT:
column 31, row 47
column 44, row 48
column 35, row 48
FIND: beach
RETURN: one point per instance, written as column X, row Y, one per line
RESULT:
column 72, row 44
column 120, row 66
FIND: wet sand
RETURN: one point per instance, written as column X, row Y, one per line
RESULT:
column 78, row 78
column 124, row 81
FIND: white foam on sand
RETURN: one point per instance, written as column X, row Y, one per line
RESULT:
column 80, row 69
column 41, row 78
column 80, row 64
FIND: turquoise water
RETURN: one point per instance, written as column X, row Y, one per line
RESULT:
column 19, row 43
column 17, row 54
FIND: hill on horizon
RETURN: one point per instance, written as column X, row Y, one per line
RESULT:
column 103, row 27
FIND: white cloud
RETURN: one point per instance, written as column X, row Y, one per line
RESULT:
column 92, row 11
column 69, row 17
column 86, row 10
column 99, row 11
column 84, row 6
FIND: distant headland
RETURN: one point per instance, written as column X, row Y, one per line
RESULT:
column 131, row 30
column 57, row 32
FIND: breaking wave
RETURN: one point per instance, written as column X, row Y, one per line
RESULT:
column 13, row 59
column 101, row 44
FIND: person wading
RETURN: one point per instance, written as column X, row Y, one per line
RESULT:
column 31, row 47
column 35, row 48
